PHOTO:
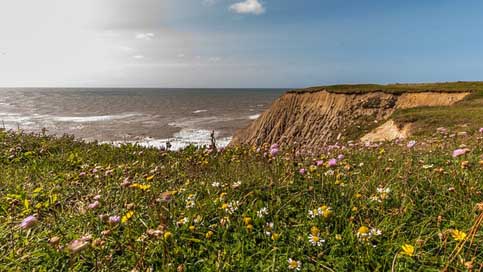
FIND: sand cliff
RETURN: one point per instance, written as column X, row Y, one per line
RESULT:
column 315, row 119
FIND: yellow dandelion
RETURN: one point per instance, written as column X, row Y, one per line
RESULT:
column 458, row 235
column 407, row 249
column 167, row 235
column 275, row 236
column 250, row 228
column 247, row 220
column 192, row 228
column 127, row 216
column 209, row 234
column 314, row 231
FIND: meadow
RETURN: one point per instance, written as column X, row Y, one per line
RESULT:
column 410, row 205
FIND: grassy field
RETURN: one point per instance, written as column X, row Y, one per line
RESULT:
column 397, row 88
column 68, row 205
column 464, row 115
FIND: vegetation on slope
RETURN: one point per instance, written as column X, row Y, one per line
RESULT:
column 80, row 206
column 465, row 115
column 398, row 88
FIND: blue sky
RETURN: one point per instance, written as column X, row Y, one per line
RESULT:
column 238, row 43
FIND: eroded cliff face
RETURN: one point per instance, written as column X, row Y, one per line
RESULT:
column 313, row 120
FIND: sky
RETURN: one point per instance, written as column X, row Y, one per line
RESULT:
column 237, row 43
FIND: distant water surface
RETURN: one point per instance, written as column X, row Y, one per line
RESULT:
column 150, row 117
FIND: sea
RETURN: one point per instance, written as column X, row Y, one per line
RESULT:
column 148, row 117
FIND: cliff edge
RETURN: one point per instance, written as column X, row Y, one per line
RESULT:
column 315, row 117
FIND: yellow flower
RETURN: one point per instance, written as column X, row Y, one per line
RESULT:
column 209, row 234
column 143, row 187
column 167, row 235
column 407, row 249
column 314, row 231
column 357, row 195
column 458, row 235
column 250, row 227
column 150, row 178
column 224, row 206
column 127, row 216
column 275, row 236
column 192, row 228
column 338, row 237
column 247, row 220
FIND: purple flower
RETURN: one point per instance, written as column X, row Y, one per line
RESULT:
column 459, row 152
column 332, row 162
column 274, row 151
column 340, row 157
column 302, row 171
column 81, row 174
column 93, row 205
column 274, row 146
column 29, row 222
column 319, row 163
column 97, row 197
column 411, row 144
column 481, row 130
column 115, row 219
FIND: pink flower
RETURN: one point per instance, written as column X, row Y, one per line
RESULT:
column 114, row 219
column 274, row 146
column 93, row 205
column 79, row 245
column 81, row 174
column 481, row 130
column 332, row 162
column 302, row 171
column 274, row 152
column 340, row 157
column 97, row 197
column 319, row 163
column 29, row 222
column 459, row 152
column 411, row 144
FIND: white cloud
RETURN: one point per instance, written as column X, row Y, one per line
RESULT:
column 248, row 7
column 214, row 59
column 138, row 57
column 145, row 36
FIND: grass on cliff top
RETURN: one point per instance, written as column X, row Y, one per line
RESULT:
column 398, row 88
column 103, row 208
column 466, row 114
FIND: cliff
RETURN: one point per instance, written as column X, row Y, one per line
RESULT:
column 316, row 117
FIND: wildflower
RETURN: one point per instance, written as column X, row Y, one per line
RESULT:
column 97, row 197
column 458, row 235
column 29, row 222
column 236, row 184
column 93, row 205
column 340, row 157
column 192, row 228
column 319, row 163
column 249, row 227
column 332, row 163
column 167, row 235
column 275, row 236
column 262, row 212
column 315, row 240
column 383, row 192
column 114, row 219
column 459, row 152
column 362, row 232
column 408, row 250
column 231, row 207
column 247, row 220
column 411, row 144
column 127, row 216
column 142, row 187
column 215, row 184
column 274, row 151
column 294, row 265
column 302, row 171
column 209, row 234
column 183, row 221
column 338, row 237
column 324, row 211
column 481, row 130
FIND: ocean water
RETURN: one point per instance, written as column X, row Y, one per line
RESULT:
column 149, row 117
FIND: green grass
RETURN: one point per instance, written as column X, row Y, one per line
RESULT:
column 465, row 115
column 399, row 88
column 431, row 194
